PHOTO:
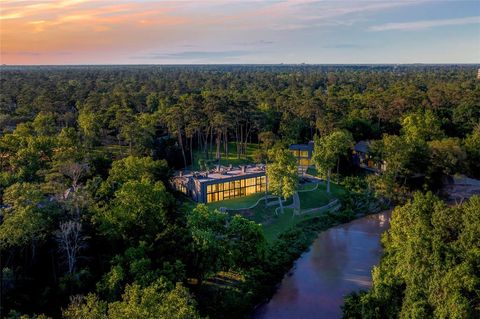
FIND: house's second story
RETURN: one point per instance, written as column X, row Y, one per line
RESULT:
column 303, row 153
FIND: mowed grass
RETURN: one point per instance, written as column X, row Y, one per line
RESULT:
column 226, row 160
column 320, row 197
column 284, row 222
column 250, row 200
column 335, row 189
column 314, row 199
column 306, row 187
column 262, row 213
column 237, row 203
column 273, row 224
column 278, row 224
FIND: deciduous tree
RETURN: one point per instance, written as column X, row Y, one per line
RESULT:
column 328, row 150
column 282, row 173
column 70, row 241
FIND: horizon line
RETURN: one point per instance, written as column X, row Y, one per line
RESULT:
column 241, row 64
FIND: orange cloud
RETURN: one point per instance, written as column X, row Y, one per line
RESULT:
column 85, row 31
column 77, row 26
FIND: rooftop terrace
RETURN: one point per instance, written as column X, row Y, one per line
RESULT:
column 222, row 172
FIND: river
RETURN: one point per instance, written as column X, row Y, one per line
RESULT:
column 339, row 261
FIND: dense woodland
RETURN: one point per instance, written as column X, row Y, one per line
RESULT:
column 89, row 227
column 430, row 266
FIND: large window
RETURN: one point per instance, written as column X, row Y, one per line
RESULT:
column 183, row 189
column 179, row 186
column 302, row 158
column 304, row 154
column 299, row 153
column 296, row 153
column 238, row 188
column 303, row 162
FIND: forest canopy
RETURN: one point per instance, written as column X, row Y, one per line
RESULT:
column 90, row 227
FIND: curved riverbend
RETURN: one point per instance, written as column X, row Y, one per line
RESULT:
column 338, row 262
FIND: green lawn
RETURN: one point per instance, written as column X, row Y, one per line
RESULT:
column 316, row 198
column 309, row 186
column 335, row 189
column 231, row 159
column 283, row 222
column 319, row 197
column 278, row 224
column 237, row 203
column 273, row 224
column 247, row 201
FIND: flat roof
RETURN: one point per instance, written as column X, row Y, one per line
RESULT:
column 223, row 173
column 362, row 146
column 302, row 147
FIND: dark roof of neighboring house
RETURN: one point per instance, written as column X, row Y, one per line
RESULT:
column 302, row 147
column 362, row 146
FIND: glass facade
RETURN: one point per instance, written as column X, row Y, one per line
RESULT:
column 302, row 157
column 238, row 188
column 304, row 162
column 182, row 188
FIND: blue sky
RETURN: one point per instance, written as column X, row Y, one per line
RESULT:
column 302, row 31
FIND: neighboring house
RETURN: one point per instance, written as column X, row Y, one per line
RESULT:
column 8, row 129
column 362, row 158
column 222, row 183
column 303, row 153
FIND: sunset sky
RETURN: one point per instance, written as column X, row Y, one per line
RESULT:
column 172, row 32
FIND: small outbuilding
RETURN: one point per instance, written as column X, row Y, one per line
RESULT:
column 362, row 158
column 303, row 153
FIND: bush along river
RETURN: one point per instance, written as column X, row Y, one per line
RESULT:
column 339, row 261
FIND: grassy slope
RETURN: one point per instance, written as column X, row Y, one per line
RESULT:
column 273, row 224
column 287, row 237
column 247, row 201
column 236, row 203
column 231, row 159
column 285, row 222
column 319, row 197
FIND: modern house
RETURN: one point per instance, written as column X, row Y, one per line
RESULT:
column 222, row 183
column 303, row 153
column 362, row 158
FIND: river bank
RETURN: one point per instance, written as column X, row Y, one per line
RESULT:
column 339, row 261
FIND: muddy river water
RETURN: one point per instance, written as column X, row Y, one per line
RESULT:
column 338, row 262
